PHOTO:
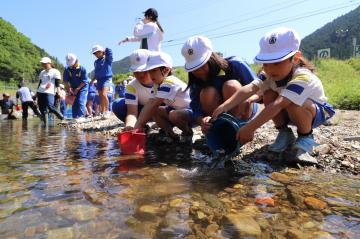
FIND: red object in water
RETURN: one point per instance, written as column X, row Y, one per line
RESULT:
column 132, row 141
column 18, row 107
column 69, row 99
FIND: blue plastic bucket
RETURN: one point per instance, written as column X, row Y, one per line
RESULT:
column 221, row 136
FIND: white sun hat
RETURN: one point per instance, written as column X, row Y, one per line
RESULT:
column 196, row 51
column 96, row 48
column 138, row 59
column 45, row 60
column 158, row 59
column 278, row 45
column 70, row 59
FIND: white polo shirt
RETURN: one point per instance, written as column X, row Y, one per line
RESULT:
column 136, row 93
column 172, row 90
column 302, row 86
column 24, row 94
column 47, row 81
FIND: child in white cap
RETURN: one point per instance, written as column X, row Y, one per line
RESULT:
column 103, row 75
column 170, row 91
column 292, row 93
column 137, row 92
column 48, row 86
column 148, row 31
column 77, row 84
column 209, row 87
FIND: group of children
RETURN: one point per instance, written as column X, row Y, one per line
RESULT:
column 286, row 85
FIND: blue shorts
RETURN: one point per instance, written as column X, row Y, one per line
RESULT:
column 102, row 83
column 170, row 108
column 323, row 113
column 119, row 108
column 91, row 96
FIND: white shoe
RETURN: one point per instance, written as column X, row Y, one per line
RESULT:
column 80, row 120
column 106, row 115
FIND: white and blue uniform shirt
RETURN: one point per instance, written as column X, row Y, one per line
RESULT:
column 301, row 86
column 137, row 93
column 172, row 90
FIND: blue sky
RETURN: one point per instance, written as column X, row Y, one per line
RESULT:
column 234, row 26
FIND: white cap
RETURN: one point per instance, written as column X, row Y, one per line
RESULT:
column 96, row 48
column 138, row 59
column 158, row 59
column 278, row 45
column 197, row 51
column 70, row 59
column 45, row 60
column 62, row 86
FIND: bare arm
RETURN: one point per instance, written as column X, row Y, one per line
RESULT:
column 131, row 117
column 147, row 112
column 240, row 95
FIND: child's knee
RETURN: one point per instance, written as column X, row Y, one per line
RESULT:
column 230, row 87
column 269, row 96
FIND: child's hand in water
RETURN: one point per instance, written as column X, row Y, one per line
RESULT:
column 205, row 124
column 245, row 134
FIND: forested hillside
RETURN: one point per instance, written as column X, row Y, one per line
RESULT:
column 337, row 35
column 19, row 57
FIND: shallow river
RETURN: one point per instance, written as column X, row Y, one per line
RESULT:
column 60, row 183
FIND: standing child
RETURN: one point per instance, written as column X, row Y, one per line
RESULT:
column 103, row 74
column 24, row 94
column 138, row 91
column 213, row 79
column 76, row 82
column 292, row 93
column 48, row 85
column 148, row 31
column 170, row 91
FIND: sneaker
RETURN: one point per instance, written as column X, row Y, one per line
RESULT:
column 305, row 143
column 284, row 139
column 80, row 120
column 304, row 157
column 106, row 115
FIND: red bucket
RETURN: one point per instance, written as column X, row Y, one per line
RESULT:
column 69, row 99
column 132, row 141
column 18, row 107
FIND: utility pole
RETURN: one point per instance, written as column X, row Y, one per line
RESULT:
column 341, row 33
column 354, row 44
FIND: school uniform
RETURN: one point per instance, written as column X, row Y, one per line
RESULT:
column 75, row 76
column 103, row 71
column 135, row 94
column 239, row 70
column 299, row 87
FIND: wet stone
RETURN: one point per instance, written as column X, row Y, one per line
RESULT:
column 279, row 177
column 314, row 203
column 322, row 235
column 245, row 224
column 63, row 233
column 295, row 234
column 78, row 212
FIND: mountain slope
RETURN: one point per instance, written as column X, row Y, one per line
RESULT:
column 336, row 35
column 19, row 57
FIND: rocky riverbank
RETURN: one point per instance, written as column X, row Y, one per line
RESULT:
column 338, row 152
